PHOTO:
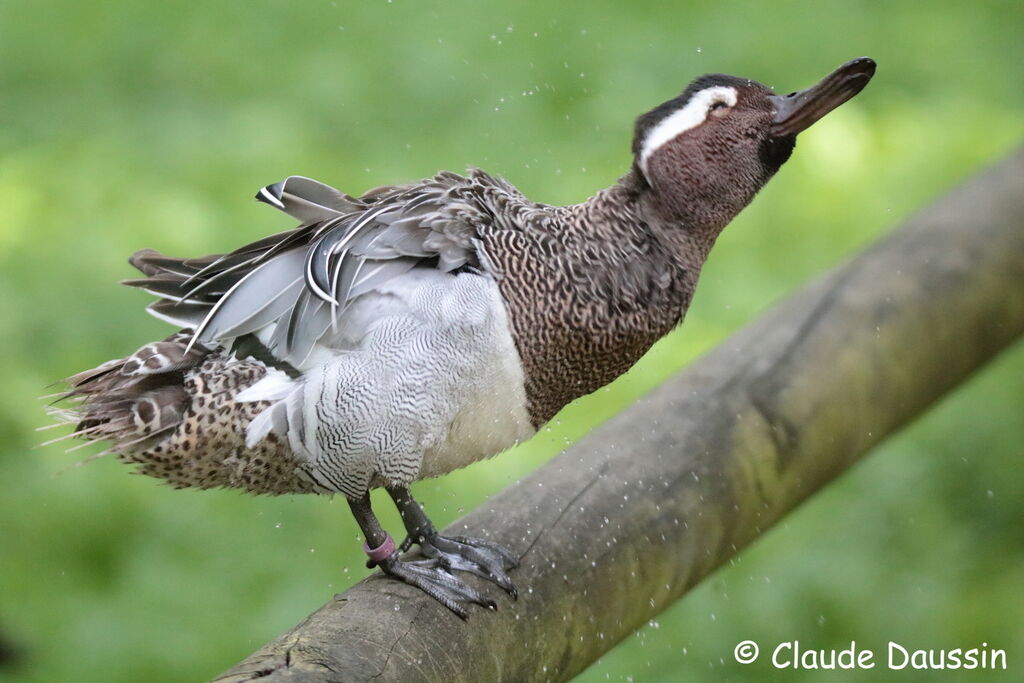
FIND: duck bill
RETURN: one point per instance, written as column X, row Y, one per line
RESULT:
column 797, row 111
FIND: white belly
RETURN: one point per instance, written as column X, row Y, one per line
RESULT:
column 426, row 380
column 490, row 415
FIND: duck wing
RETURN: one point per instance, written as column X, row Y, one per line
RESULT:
column 293, row 287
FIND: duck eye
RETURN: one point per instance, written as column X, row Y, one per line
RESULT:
column 718, row 108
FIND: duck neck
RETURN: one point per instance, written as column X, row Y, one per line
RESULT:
column 688, row 238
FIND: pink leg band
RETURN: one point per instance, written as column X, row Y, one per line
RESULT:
column 381, row 552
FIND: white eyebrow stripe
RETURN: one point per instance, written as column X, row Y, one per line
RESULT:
column 685, row 118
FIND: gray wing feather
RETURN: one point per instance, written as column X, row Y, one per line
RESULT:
column 296, row 333
column 302, row 281
column 376, row 273
column 249, row 295
column 269, row 313
column 401, row 238
column 318, row 258
column 308, row 200
column 334, row 246
column 307, row 329
column 179, row 314
column 151, row 262
column 280, row 340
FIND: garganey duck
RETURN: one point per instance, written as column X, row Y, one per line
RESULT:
column 419, row 328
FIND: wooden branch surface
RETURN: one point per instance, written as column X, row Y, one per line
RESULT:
column 630, row 518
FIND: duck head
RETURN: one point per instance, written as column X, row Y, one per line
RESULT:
column 703, row 155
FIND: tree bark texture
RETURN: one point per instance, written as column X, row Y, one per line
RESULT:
column 630, row 518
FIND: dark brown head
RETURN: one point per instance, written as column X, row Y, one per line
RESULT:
column 705, row 154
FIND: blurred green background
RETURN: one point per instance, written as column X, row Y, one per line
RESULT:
column 129, row 125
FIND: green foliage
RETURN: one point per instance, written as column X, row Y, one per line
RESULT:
column 129, row 125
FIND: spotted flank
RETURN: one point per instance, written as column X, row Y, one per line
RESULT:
column 170, row 412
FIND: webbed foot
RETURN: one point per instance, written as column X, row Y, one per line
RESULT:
column 485, row 559
column 434, row 578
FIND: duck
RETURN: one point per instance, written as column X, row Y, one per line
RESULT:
column 421, row 327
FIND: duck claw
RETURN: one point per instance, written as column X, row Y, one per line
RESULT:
column 434, row 578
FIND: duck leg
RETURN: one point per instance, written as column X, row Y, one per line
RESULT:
column 431, row 576
column 477, row 556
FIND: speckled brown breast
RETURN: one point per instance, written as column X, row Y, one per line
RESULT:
column 588, row 291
